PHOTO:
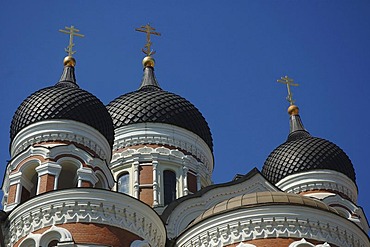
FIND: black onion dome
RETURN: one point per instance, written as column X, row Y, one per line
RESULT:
column 65, row 100
column 302, row 152
column 152, row 104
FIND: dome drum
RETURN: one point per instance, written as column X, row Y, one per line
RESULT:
column 151, row 104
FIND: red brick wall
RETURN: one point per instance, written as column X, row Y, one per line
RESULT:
column 146, row 195
column 146, row 174
column 86, row 184
column 12, row 193
column 46, row 183
column 98, row 234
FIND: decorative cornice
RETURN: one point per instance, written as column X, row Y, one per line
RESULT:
column 61, row 130
column 273, row 221
column 319, row 180
column 353, row 213
column 78, row 205
column 159, row 154
column 189, row 209
column 57, row 154
column 165, row 134
column 304, row 242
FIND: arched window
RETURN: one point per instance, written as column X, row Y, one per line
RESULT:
column 169, row 182
column 34, row 183
column 53, row 243
column 124, row 183
column 68, row 176
column 30, row 176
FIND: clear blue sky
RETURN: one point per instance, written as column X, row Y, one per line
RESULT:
column 223, row 56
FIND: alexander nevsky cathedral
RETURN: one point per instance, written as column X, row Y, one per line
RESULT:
column 138, row 173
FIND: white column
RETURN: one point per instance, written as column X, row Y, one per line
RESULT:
column 155, row 183
column 199, row 185
column 51, row 168
column 136, row 177
column 86, row 174
column 20, row 182
column 185, row 170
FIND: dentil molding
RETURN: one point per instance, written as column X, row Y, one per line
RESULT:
column 61, row 130
column 273, row 221
column 165, row 134
column 86, row 205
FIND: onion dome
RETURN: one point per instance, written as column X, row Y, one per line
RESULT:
column 302, row 152
column 152, row 104
column 64, row 100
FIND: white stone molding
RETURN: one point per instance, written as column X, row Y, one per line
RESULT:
column 185, row 170
column 136, row 178
column 61, row 130
column 140, row 243
column 199, row 184
column 319, row 180
column 54, row 233
column 165, row 134
column 273, row 221
column 155, row 183
column 348, row 210
column 69, row 153
column 86, row 174
column 122, row 160
column 78, row 205
column 189, row 209
column 102, row 178
column 304, row 243
column 51, row 168
column 20, row 181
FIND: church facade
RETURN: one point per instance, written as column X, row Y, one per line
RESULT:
column 138, row 171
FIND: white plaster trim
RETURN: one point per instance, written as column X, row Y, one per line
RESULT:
column 273, row 221
column 49, row 167
column 63, row 130
column 189, row 209
column 86, row 205
column 173, row 159
column 304, row 243
column 86, row 174
column 140, row 243
column 319, row 180
column 69, row 150
column 166, row 134
column 354, row 213
column 54, row 233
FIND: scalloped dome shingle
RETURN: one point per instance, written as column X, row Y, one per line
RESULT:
column 152, row 104
column 65, row 100
column 305, row 154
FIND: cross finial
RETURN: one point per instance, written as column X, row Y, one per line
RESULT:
column 148, row 30
column 289, row 82
column 72, row 31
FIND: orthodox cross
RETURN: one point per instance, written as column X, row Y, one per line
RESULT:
column 72, row 31
column 289, row 82
column 148, row 30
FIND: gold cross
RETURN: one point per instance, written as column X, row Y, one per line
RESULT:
column 148, row 30
column 72, row 31
column 289, row 82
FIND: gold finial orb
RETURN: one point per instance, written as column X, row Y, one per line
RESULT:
column 69, row 61
column 148, row 61
column 293, row 110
